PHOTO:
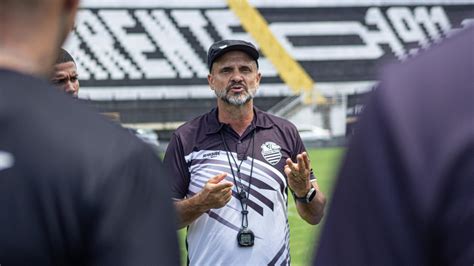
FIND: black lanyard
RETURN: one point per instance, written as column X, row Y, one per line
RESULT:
column 242, row 193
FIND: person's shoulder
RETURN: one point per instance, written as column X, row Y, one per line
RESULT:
column 195, row 124
column 92, row 129
column 71, row 142
column 433, row 76
column 62, row 123
column 267, row 119
column 450, row 59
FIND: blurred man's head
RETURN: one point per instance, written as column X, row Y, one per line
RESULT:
column 32, row 31
column 65, row 74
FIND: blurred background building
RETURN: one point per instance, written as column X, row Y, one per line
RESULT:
column 146, row 59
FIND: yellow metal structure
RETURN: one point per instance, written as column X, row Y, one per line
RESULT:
column 291, row 72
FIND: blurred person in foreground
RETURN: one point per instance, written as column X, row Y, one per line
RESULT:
column 233, row 167
column 405, row 194
column 65, row 75
column 75, row 189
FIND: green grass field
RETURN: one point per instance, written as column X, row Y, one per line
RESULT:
column 303, row 236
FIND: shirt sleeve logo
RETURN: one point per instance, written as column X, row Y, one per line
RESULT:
column 271, row 152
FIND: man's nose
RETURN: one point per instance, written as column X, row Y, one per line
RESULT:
column 237, row 77
column 71, row 87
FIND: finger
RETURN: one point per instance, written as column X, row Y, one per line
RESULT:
column 222, row 194
column 307, row 162
column 226, row 190
column 218, row 178
column 287, row 170
column 222, row 185
column 228, row 195
column 291, row 174
column 301, row 164
column 227, row 198
column 290, row 164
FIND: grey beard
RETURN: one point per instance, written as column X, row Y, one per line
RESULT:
column 236, row 100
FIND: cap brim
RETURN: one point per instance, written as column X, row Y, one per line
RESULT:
column 240, row 47
column 253, row 53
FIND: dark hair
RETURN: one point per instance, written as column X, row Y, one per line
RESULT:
column 64, row 57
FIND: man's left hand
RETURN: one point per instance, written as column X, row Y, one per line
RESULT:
column 298, row 174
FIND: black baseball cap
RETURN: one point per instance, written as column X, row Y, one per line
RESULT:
column 221, row 47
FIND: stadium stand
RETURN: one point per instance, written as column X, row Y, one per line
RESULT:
column 147, row 59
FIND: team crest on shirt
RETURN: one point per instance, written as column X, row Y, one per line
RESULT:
column 271, row 152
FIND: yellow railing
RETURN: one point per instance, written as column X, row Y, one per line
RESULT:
column 290, row 71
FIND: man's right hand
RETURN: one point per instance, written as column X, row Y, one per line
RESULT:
column 216, row 193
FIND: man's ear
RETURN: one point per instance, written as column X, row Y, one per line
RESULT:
column 210, row 80
column 259, row 77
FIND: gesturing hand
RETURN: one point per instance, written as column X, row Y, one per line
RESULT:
column 216, row 192
column 298, row 174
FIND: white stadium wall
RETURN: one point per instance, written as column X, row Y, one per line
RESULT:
column 154, row 50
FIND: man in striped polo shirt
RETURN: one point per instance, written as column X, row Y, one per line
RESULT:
column 233, row 167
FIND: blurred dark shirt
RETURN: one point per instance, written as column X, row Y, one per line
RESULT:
column 76, row 189
column 405, row 194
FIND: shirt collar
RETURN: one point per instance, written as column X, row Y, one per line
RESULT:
column 260, row 119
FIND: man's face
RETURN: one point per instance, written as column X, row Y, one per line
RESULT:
column 234, row 78
column 65, row 78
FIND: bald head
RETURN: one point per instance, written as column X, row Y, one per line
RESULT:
column 32, row 31
column 12, row 12
column 21, row 4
